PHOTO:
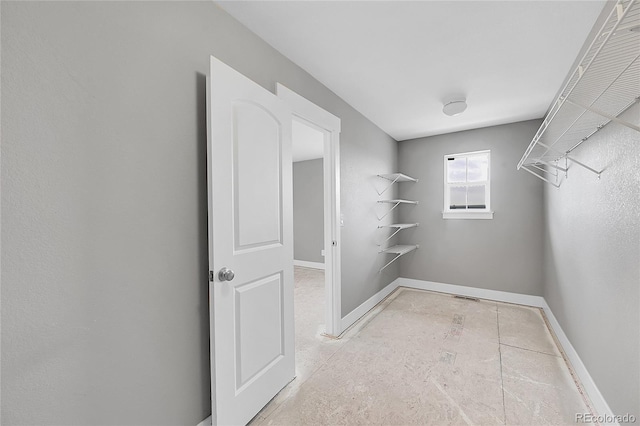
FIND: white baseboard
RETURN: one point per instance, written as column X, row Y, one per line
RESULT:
column 369, row 304
column 304, row 263
column 598, row 401
column 205, row 422
column 480, row 293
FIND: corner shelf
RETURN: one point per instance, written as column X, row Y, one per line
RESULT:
column 395, row 203
column 395, row 177
column 605, row 84
column 399, row 251
column 398, row 227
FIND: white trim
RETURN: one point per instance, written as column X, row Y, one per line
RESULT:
column 306, row 264
column 310, row 113
column 480, row 293
column 307, row 109
column 448, row 213
column 599, row 403
column 467, row 214
column 369, row 304
column 205, row 422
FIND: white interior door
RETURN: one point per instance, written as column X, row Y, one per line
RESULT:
column 251, row 234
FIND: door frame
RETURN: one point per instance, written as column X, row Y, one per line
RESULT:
column 308, row 112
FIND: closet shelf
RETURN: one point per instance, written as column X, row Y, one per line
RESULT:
column 395, row 177
column 605, row 84
column 399, row 251
column 395, row 203
column 399, row 227
column 398, row 177
column 398, row 201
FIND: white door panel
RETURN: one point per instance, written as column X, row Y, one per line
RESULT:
column 250, row 232
column 257, row 177
column 259, row 330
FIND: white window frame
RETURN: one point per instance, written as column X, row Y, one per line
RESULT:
column 485, row 213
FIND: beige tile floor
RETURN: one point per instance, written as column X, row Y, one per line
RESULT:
column 424, row 358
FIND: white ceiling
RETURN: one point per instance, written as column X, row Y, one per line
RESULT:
column 308, row 143
column 397, row 61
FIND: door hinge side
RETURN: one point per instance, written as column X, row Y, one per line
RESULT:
column 210, row 276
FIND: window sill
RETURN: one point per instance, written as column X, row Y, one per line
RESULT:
column 467, row 215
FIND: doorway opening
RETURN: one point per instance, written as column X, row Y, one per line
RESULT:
column 308, row 244
column 321, row 131
column 308, row 195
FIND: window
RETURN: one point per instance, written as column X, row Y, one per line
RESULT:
column 467, row 186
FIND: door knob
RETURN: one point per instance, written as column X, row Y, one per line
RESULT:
column 226, row 274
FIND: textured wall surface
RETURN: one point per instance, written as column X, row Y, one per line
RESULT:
column 504, row 253
column 104, row 205
column 592, row 261
column 308, row 210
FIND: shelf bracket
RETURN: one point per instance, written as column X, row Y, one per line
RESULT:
column 604, row 114
column 395, row 177
column 390, row 185
column 393, row 260
column 398, row 229
column 567, row 157
column 540, row 177
column 545, row 170
column 390, row 236
column 573, row 160
column 555, row 166
column 395, row 203
column 398, row 256
column 390, row 210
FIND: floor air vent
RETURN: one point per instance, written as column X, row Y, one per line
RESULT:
column 475, row 299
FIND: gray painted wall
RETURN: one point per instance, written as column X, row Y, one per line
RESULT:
column 308, row 210
column 104, row 247
column 504, row 253
column 592, row 261
column 361, row 261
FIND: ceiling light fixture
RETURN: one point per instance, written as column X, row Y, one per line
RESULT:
column 455, row 107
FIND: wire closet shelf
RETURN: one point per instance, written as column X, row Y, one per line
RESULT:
column 604, row 85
